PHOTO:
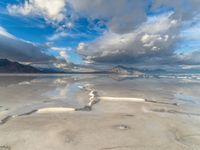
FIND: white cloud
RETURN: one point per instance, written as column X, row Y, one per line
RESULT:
column 57, row 36
column 62, row 51
column 5, row 33
column 51, row 10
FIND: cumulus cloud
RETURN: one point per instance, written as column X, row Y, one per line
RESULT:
column 51, row 10
column 23, row 51
column 153, row 39
column 62, row 51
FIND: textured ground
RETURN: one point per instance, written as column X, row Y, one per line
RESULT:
column 167, row 119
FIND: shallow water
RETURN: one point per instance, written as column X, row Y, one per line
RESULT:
column 148, row 113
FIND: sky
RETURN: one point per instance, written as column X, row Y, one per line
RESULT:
column 59, row 33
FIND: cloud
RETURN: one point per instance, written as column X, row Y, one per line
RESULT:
column 126, row 12
column 192, row 30
column 57, row 36
column 153, row 40
column 62, row 51
column 191, row 58
column 3, row 32
column 130, row 35
column 177, row 6
column 23, row 51
column 123, row 15
column 52, row 10
column 184, row 9
column 150, row 41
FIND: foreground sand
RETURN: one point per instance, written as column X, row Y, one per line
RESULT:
column 126, row 124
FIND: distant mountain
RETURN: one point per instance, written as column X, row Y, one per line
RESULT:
column 129, row 70
column 7, row 66
column 126, row 71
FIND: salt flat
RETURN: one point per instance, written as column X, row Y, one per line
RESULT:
column 99, row 112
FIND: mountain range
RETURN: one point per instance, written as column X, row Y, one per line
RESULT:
column 126, row 71
column 7, row 66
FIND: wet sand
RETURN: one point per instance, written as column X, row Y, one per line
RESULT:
column 99, row 113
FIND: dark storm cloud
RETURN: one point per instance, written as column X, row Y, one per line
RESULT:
column 20, row 50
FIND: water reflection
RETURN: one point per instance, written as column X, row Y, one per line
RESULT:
column 6, row 81
column 19, row 92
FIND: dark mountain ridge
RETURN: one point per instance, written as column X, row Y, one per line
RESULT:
column 7, row 66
